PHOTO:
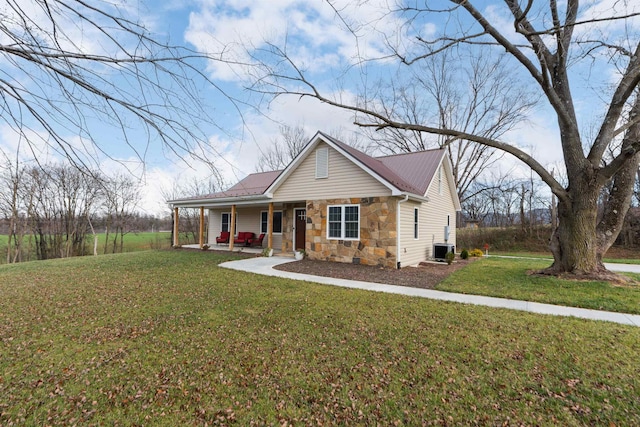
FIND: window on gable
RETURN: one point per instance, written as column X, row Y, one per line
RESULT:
column 343, row 222
column 322, row 162
column 277, row 221
column 415, row 223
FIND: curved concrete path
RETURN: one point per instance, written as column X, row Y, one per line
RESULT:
column 264, row 265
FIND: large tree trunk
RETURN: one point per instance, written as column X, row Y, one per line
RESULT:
column 574, row 242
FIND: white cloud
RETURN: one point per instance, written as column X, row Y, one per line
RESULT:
column 234, row 159
column 314, row 35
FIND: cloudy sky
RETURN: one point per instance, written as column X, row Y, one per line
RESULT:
column 331, row 50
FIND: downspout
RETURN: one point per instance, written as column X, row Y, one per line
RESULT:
column 398, row 255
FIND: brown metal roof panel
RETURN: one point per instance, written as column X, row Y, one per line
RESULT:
column 417, row 168
column 252, row 184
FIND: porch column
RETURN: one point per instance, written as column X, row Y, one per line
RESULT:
column 201, row 226
column 232, row 227
column 176, row 235
column 270, row 226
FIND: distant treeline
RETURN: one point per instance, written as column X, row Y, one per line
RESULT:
column 55, row 211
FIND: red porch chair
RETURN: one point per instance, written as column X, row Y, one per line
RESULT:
column 224, row 237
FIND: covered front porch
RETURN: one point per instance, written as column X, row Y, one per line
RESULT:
column 247, row 226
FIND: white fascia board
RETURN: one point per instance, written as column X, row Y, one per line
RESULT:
column 452, row 185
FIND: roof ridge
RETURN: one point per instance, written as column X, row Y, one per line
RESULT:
column 408, row 153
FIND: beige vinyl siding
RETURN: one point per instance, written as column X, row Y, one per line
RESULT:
column 432, row 220
column 345, row 180
column 248, row 220
column 438, row 207
column 412, row 251
column 215, row 222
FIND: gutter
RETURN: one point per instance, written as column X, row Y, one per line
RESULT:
column 398, row 255
column 187, row 203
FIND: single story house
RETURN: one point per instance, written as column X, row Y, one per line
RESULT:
column 340, row 204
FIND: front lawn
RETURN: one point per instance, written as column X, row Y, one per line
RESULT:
column 508, row 278
column 168, row 338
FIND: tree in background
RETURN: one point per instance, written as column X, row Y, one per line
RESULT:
column 50, row 210
column 550, row 47
column 11, row 177
column 283, row 149
column 478, row 96
column 57, row 202
column 121, row 197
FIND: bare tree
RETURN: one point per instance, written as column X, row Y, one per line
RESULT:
column 58, row 201
column 283, row 149
column 121, row 197
column 10, row 206
column 550, row 41
column 72, row 67
column 479, row 96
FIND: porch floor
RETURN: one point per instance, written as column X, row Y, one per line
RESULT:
column 243, row 249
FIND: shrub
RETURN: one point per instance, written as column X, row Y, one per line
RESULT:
column 449, row 257
column 476, row 252
column 464, row 254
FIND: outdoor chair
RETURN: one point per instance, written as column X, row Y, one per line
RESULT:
column 243, row 238
column 224, row 237
column 256, row 241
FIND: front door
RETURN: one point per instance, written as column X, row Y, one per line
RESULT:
column 301, row 228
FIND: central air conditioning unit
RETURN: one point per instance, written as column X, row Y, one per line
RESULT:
column 440, row 251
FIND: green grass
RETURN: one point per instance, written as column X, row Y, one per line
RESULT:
column 508, row 278
column 549, row 257
column 168, row 338
column 132, row 242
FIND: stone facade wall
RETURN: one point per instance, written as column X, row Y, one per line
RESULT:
column 378, row 232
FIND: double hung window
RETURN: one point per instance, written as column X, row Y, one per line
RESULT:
column 277, row 221
column 343, row 222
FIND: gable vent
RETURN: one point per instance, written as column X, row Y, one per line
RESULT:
column 322, row 162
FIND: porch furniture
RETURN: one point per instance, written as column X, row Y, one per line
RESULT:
column 224, row 237
column 243, row 238
column 257, row 241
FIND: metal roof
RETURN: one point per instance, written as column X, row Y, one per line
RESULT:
column 409, row 172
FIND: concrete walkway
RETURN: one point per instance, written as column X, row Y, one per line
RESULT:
column 264, row 265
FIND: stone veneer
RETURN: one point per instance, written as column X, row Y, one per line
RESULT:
column 378, row 232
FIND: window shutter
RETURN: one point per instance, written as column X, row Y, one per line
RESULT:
column 322, row 162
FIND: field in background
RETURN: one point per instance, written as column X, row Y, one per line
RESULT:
column 133, row 242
